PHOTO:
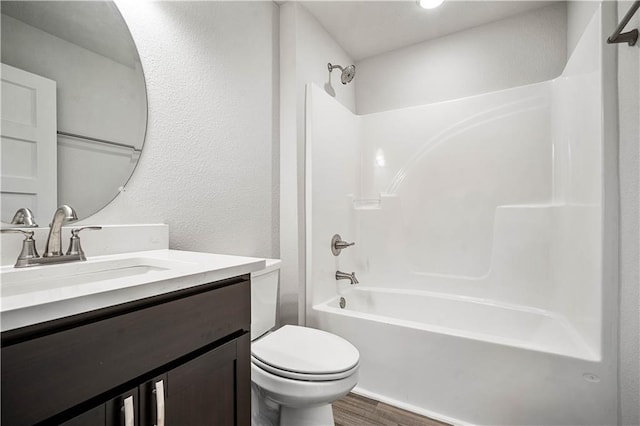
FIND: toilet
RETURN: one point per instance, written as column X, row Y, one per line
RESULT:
column 296, row 372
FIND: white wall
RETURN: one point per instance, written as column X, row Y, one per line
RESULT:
column 207, row 169
column 305, row 50
column 316, row 48
column 579, row 13
column 578, row 147
column 523, row 49
column 629, row 110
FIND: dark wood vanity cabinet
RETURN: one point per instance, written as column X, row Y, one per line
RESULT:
column 79, row 371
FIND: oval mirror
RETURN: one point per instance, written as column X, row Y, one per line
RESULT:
column 74, row 106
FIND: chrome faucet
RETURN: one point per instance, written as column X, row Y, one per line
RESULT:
column 344, row 276
column 53, row 252
column 63, row 215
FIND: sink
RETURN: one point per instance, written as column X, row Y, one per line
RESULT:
column 47, row 292
column 41, row 278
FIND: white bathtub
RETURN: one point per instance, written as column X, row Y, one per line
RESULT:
column 466, row 360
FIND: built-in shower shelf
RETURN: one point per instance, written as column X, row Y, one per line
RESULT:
column 546, row 205
column 367, row 204
column 371, row 203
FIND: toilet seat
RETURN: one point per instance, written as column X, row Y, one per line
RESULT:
column 303, row 376
column 303, row 353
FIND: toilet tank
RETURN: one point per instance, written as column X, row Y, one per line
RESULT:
column 264, row 298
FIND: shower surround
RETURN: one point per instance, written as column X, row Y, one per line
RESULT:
column 479, row 245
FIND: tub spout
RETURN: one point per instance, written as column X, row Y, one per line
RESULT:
column 344, row 276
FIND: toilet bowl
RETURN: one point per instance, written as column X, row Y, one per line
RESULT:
column 296, row 372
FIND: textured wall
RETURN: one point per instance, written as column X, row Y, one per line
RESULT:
column 629, row 110
column 209, row 165
column 523, row 49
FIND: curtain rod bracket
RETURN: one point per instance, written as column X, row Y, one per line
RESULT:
column 630, row 37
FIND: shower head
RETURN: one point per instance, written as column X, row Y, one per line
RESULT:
column 347, row 73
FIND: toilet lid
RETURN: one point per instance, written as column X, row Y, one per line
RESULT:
column 305, row 350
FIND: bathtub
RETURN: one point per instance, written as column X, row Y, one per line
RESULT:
column 465, row 360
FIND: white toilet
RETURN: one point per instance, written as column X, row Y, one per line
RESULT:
column 296, row 372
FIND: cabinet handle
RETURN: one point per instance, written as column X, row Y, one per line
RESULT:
column 128, row 411
column 159, row 391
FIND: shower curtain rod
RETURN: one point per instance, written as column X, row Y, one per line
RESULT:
column 89, row 138
column 630, row 37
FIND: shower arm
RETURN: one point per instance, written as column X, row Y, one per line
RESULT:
column 630, row 37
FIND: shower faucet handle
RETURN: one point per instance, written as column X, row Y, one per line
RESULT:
column 337, row 245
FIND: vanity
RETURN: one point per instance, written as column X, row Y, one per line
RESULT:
column 137, row 334
column 146, row 338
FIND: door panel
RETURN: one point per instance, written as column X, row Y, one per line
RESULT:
column 201, row 392
column 28, row 143
column 93, row 417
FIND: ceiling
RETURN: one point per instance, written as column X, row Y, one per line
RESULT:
column 94, row 25
column 368, row 28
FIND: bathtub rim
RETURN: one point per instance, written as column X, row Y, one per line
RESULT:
column 585, row 353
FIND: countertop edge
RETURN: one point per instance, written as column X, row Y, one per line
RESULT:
column 44, row 312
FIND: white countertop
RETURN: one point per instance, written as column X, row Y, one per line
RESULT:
column 27, row 299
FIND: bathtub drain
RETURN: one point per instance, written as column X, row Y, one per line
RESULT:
column 343, row 303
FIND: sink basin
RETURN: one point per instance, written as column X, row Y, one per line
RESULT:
column 40, row 278
column 43, row 293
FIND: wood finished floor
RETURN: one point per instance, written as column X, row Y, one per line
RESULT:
column 356, row 410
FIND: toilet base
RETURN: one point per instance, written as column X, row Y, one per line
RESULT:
column 309, row 416
column 301, row 403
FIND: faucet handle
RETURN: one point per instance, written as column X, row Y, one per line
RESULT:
column 74, row 243
column 337, row 245
column 28, row 246
column 24, row 216
column 76, row 231
column 27, row 234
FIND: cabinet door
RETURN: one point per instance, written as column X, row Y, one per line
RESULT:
column 123, row 410
column 204, row 391
column 93, row 417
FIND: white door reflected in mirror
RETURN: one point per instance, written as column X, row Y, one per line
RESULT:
column 29, row 148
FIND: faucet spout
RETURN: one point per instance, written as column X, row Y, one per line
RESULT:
column 344, row 276
column 63, row 215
